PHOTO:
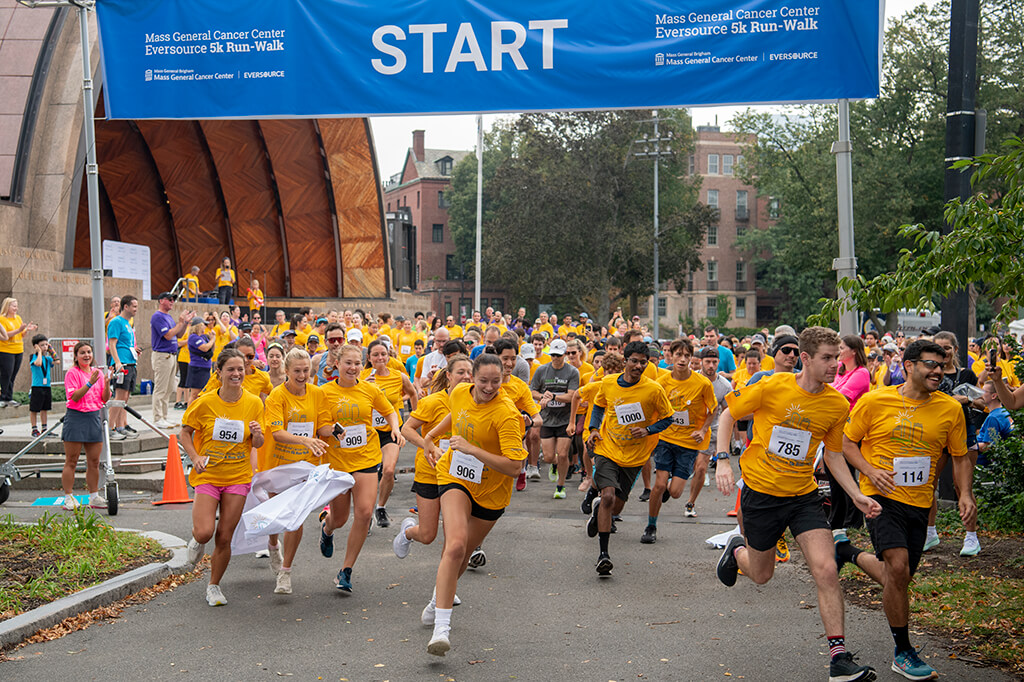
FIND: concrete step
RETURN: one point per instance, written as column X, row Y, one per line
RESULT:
column 146, row 441
column 142, row 462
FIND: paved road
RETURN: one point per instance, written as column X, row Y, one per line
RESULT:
column 537, row 611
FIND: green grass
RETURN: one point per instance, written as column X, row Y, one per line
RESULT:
column 61, row 554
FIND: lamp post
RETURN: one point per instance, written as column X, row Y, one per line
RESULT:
column 656, row 153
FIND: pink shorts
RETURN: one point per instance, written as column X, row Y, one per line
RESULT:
column 215, row 491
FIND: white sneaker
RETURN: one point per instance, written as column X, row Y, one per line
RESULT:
column 456, row 601
column 164, row 424
column 533, row 473
column 276, row 558
column 439, row 644
column 117, row 435
column 284, row 583
column 262, row 553
column 427, row 617
column 195, row 551
column 97, row 501
column 971, row 547
column 402, row 543
column 71, row 503
column 707, row 481
column 214, row 597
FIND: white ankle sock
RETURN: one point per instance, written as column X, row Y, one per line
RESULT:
column 442, row 620
column 932, row 532
column 971, row 535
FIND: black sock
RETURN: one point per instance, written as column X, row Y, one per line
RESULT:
column 602, row 537
column 847, row 552
column 560, row 488
column 901, row 635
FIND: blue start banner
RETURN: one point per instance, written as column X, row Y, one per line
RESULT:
column 199, row 59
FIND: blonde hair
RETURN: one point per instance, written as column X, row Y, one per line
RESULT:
column 294, row 355
column 6, row 305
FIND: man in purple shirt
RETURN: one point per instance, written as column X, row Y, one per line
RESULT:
column 164, row 335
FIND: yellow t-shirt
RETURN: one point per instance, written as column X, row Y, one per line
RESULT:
column 777, row 401
column 431, row 410
column 586, row 373
column 284, row 408
column 454, row 332
column 888, row 426
column 519, row 393
column 229, row 462
column 257, row 382
column 391, row 385
column 586, row 394
column 302, row 334
column 353, row 407
column 183, row 354
column 191, row 285
column 651, row 371
column 695, row 397
column 278, row 329
column 405, row 344
column 225, row 278
column 879, row 377
column 641, row 404
column 494, row 427
column 222, row 339
column 546, row 327
column 14, row 344
column 369, row 338
column 255, row 298
column 740, row 377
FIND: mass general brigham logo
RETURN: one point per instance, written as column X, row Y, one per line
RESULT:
column 659, row 59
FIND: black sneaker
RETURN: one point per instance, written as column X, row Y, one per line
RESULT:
column 665, row 496
column 326, row 542
column 130, row 429
column 592, row 521
column 604, row 565
column 650, row 535
column 344, row 580
column 727, row 566
column 587, row 505
column 645, row 495
column 844, row 669
column 615, row 529
column 380, row 516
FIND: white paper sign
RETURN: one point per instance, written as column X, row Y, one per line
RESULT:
column 466, row 467
column 228, row 430
column 304, row 429
column 630, row 414
column 354, row 436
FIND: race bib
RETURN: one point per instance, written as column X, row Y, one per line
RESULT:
column 790, row 443
column 405, row 350
column 444, row 444
column 911, row 471
column 228, row 430
column 304, row 429
column 630, row 414
column 555, row 403
column 466, row 467
column 681, row 418
column 354, row 436
column 379, row 422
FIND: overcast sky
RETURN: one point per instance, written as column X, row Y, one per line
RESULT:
column 393, row 134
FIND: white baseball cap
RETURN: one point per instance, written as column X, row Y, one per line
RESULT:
column 557, row 347
column 354, row 335
column 527, row 351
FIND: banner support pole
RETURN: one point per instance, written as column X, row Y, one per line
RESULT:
column 479, row 203
column 846, row 265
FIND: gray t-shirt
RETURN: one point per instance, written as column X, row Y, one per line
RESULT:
column 547, row 378
column 522, row 370
column 722, row 387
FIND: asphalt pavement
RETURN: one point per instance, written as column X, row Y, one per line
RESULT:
column 536, row 611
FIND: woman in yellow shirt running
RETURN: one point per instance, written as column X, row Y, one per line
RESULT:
column 218, row 432
column 475, row 477
column 355, row 449
column 429, row 412
column 293, row 409
column 395, row 386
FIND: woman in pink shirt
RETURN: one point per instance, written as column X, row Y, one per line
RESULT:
column 87, row 390
column 853, row 381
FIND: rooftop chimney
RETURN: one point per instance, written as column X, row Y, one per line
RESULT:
column 417, row 144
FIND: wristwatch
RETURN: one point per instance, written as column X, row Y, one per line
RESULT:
column 722, row 455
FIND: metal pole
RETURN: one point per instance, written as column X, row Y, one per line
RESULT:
column 655, row 318
column 846, row 265
column 92, row 181
column 960, row 140
column 479, row 200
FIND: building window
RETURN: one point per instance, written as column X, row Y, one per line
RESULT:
column 689, row 282
column 727, row 164
column 442, row 201
column 389, row 206
column 739, row 161
column 498, row 304
column 662, row 306
column 712, row 306
column 742, row 213
column 741, row 307
column 712, row 271
column 437, row 234
column 713, row 198
column 692, row 164
column 447, row 308
column 773, row 208
column 689, row 307
column 451, row 268
column 417, row 198
column 741, row 272
column 712, row 164
column 712, row 235
column 446, row 165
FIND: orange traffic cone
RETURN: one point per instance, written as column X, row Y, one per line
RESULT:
column 736, row 509
column 175, row 488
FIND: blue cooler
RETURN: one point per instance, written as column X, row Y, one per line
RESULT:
column 146, row 387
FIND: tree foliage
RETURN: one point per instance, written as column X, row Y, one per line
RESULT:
column 898, row 151
column 568, row 211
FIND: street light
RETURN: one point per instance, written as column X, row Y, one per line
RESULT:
column 657, row 152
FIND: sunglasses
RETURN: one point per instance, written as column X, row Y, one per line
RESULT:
column 336, row 339
column 248, row 357
column 572, row 352
column 788, row 350
column 930, row 364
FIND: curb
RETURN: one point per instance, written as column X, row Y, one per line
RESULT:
column 26, row 624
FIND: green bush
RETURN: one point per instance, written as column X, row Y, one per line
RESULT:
column 999, row 487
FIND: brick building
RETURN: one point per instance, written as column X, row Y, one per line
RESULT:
column 717, row 157
column 422, row 251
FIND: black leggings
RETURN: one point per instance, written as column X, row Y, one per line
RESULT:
column 224, row 294
column 10, row 363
